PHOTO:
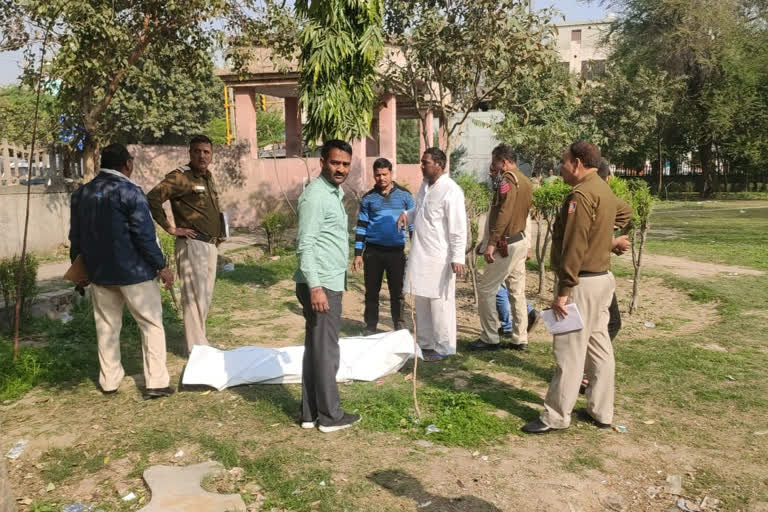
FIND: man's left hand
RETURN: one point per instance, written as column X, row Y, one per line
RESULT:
column 459, row 269
column 488, row 254
column 558, row 307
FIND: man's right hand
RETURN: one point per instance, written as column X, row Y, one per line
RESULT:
column 166, row 276
column 319, row 300
column 402, row 221
column 185, row 232
column 357, row 264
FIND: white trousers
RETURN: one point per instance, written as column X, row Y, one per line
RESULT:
column 436, row 321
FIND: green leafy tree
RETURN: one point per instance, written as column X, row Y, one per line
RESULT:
column 100, row 43
column 408, row 141
column 542, row 118
column 340, row 45
column 546, row 202
column 453, row 56
column 17, row 102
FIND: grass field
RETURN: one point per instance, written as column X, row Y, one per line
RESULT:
column 692, row 393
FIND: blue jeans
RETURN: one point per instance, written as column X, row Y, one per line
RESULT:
column 502, row 306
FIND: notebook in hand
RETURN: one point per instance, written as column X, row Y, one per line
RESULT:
column 570, row 323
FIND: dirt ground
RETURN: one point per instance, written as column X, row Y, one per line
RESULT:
column 518, row 474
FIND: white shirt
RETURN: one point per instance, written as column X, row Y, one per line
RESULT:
column 439, row 238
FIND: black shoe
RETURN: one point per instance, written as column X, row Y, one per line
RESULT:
column 533, row 319
column 479, row 344
column 397, row 326
column 585, row 416
column 108, row 393
column 151, row 393
column 370, row 331
column 506, row 335
column 346, row 421
column 522, row 347
column 537, row 427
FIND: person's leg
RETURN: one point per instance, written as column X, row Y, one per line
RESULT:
column 529, row 307
column 325, row 361
column 108, row 316
column 192, row 264
column 444, row 321
column 425, row 334
column 373, row 271
column 502, row 309
column 516, row 288
column 600, row 363
column 308, row 399
column 614, row 321
column 395, row 276
column 570, row 352
column 213, row 262
column 487, row 288
column 145, row 304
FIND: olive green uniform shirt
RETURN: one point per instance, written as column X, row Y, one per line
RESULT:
column 511, row 204
column 194, row 201
column 583, row 231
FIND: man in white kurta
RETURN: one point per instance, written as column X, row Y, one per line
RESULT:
column 437, row 255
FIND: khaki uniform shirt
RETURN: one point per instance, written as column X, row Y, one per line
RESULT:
column 194, row 201
column 583, row 231
column 511, row 204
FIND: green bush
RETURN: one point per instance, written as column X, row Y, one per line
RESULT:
column 275, row 224
column 9, row 271
column 167, row 245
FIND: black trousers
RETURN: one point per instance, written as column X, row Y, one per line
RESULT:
column 614, row 320
column 319, row 392
column 376, row 261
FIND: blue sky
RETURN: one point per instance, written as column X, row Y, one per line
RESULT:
column 574, row 10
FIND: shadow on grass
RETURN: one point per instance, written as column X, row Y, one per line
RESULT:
column 401, row 483
column 264, row 272
column 273, row 401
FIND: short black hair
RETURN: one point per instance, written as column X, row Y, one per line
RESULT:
column 341, row 145
column 604, row 169
column 200, row 138
column 115, row 157
column 382, row 163
column 588, row 153
column 504, row 152
column 438, row 156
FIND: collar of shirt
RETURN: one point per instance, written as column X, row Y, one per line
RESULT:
column 333, row 189
column 205, row 174
column 116, row 173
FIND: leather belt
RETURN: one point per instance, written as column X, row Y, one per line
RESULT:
column 593, row 274
column 202, row 237
column 515, row 238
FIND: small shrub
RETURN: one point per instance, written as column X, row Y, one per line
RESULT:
column 9, row 271
column 275, row 224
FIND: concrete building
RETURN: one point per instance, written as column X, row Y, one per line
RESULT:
column 581, row 48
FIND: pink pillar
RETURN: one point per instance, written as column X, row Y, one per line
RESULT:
column 292, row 127
column 358, row 179
column 388, row 129
column 245, row 118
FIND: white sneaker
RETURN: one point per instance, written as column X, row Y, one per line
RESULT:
column 346, row 421
column 308, row 424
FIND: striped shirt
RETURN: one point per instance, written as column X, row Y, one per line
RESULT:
column 377, row 222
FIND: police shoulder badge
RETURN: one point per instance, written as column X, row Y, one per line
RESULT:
column 504, row 187
column 572, row 207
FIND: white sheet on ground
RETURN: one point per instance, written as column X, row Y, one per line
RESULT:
column 362, row 358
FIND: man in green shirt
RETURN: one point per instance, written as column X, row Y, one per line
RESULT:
column 322, row 248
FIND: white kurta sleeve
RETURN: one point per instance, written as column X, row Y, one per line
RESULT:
column 457, row 225
column 411, row 214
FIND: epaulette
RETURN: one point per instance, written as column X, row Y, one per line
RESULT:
column 181, row 169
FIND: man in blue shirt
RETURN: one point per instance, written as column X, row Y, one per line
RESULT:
column 112, row 232
column 322, row 250
column 380, row 245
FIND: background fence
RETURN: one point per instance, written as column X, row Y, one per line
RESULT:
column 18, row 164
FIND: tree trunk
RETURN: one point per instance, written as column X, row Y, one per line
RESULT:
column 661, row 163
column 707, row 169
column 90, row 151
column 539, row 254
column 637, row 260
column 473, row 275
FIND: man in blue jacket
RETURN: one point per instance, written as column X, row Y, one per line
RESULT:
column 380, row 245
column 112, row 231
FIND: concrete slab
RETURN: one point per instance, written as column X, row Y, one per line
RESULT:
column 177, row 489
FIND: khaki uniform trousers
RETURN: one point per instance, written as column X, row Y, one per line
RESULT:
column 196, row 266
column 436, row 321
column 510, row 270
column 144, row 303
column 586, row 351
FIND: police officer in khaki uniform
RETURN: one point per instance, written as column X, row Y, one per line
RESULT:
column 581, row 243
column 198, row 229
column 506, row 251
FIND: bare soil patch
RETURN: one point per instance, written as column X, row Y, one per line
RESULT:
column 695, row 269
